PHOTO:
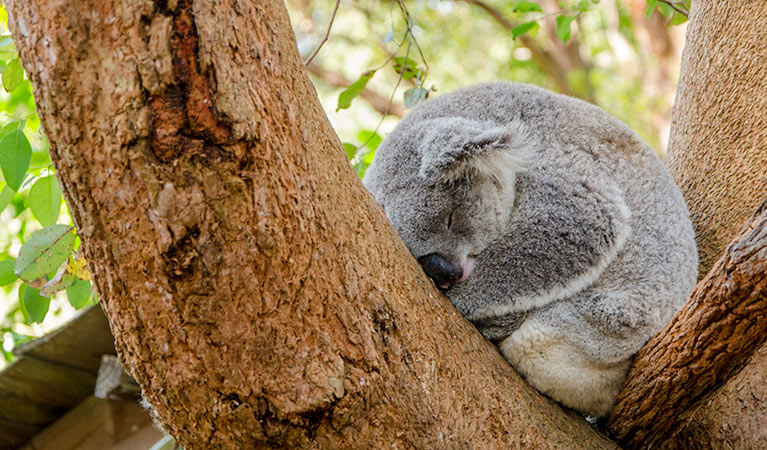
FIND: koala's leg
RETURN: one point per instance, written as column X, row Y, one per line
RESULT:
column 566, row 357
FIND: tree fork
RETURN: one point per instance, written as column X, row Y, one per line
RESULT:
column 255, row 290
column 706, row 342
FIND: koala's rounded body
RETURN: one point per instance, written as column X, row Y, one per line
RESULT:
column 554, row 228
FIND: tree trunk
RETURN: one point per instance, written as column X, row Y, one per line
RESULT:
column 255, row 290
column 717, row 156
column 707, row 341
column 719, row 128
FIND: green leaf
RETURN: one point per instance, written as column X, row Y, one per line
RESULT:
column 583, row 5
column 15, row 154
column 407, row 67
column 45, row 200
column 12, row 126
column 45, row 251
column 666, row 9
column 678, row 19
column 519, row 30
column 350, row 149
column 563, row 27
column 650, row 7
column 13, row 75
column 6, row 196
column 524, row 7
column 78, row 293
column 33, row 306
column 345, row 98
column 370, row 139
column 414, row 96
column 6, row 272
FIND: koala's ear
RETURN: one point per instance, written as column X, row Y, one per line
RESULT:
column 455, row 147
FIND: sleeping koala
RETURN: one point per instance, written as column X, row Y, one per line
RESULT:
column 549, row 224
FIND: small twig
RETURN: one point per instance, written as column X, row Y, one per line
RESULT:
column 675, row 6
column 359, row 155
column 327, row 34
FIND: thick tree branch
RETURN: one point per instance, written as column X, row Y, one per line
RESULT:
column 255, row 290
column 716, row 331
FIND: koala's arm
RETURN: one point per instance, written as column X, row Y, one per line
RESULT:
column 563, row 235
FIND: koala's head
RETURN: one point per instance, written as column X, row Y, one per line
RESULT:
column 447, row 186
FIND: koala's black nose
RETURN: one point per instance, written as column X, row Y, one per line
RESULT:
column 444, row 273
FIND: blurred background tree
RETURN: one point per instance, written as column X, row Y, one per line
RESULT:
column 377, row 60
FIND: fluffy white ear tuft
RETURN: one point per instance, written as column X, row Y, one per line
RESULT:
column 455, row 148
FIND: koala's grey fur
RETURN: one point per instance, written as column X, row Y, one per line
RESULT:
column 581, row 242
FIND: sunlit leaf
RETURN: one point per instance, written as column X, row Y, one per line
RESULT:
column 345, row 98
column 406, row 66
column 414, row 96
column 44, row 251
column 370, row 139
column 13, row 75
column 45, row 200
column 524, row 7
column 678, row 19
column 666, row 9
column 563, row 27
column 12, row 126
column 650, row 7
column 78, row 293
column 33, row 306
column 350, row 149
column 77, row 266
column 526, row 27
column 6, row 195
column 6, row 272
column 15, row 154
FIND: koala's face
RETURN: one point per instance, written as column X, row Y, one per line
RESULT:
column 453, row 196
column 456, row 219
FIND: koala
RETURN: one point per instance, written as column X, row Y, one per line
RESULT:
column 549, row 224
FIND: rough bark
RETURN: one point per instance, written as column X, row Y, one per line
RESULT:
column 255, row 290
column 734, row 416
column 713, row 335
column 719, row 125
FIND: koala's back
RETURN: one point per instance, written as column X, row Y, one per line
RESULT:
column 572, row 340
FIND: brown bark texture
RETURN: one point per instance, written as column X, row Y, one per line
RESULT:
column 719, row 128
column 706, row 342
column 734, row 417
column 255, row 290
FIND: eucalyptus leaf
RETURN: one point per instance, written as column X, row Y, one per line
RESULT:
column 524, row 7
column 45, row 200
column 44, row 251
column 13, row 75
column 563, row 27
column 414, row 96
column 6, row 196
column 15, row 154
column 12, row 126
column 345, row 98
column 6, row 272
column 407, row 67
column 526, row 27
column 350, row 149
column 78, row 293
column 33, row 305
